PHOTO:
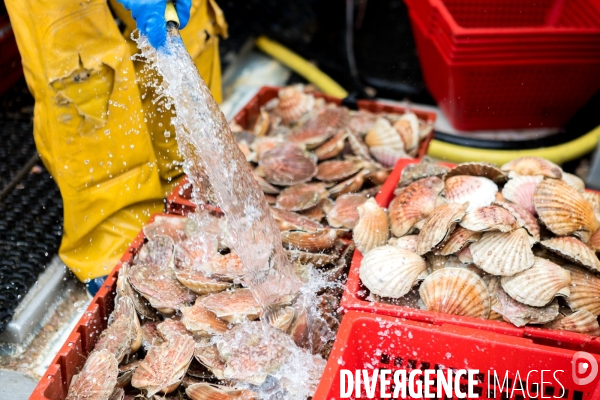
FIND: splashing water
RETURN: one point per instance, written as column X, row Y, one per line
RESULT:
column 210, row 151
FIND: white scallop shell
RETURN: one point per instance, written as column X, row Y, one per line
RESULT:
column 504, row 254
column 390, row 272
column 477, row 190
column 520, row 189
column 372, row 229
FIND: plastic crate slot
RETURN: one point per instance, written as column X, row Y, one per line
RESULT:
column 577, row 395
column 412, row 364
column 425, row 365
column 549, row 391
column 385, row 359
column 398, row 361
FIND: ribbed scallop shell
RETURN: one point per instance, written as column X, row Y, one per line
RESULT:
column 337, row 170
column 478, row 191
column 322, row 125
column 594, row 199
column 520, row 190
column 361, row 121
column 585, row 290
column 198, row 320
column 97, row 379
column 286, row 164
column 235, row 306
column 301, row 196
column 438, row 225
column 358, row 146
column 209, row 391
column 289, row 220
column 594, row 242
column 390, row 272
column 564, row 210
column 490, row 218
column 580, row 321
column 460, row 238
column 574, row 250
column 311, row 241
column 465, row 255
column 538, row 285
column 426, row 168
column 523, row 217
column 383, row 134
column 520, row 314
column 504, row 254
column 293, row 104
column 408, row 242
column 372, row 228
column 574, row 181
column 485, row 170
column 413, row 204
column 388, row 156
column 344, row 212
column 533, row 166
column 456, row 291
column 332, row 147
column 407, row 127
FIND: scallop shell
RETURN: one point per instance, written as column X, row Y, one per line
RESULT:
column 301, row 196
column 460, row 238
column 372, row 228
column 408, row 242
column 574, row 181
column 199, row 283
column 164, row 366
column 465, row 255
column 533, row 166
column 286, row 164
column 574, row 250
column 438, row 225
column 344, row 213
column 520, row 190
column 490, row 218
column 407, row 127
column 97, row 379
column 523, row 217
column 478, row 191
column 564, row 210
column 316, row 259
column 265, row 186
column 594, row 199
column 233, row 306
column 209, row 391
column 456, row 291
column 485, row 170
column 332, row 147
column 293, row 104
column 361, row 121
column 320, row 240
column 504, row 254
column 198, row 320
column 585, row 290
column 426, row 168
column 383, row 134
column 289, row 220
column 337, row 170
column 262, row 124
column 358, row 146
column 415, row 203
column 580, row 321
column 594, row 242
column 123, row 335
column 210, row 358
column 550, row 281
column 320, row 127
column 319, row 211
column 390, row 272
column 520, row 314
column 350, row 185
column 388, row 156
column 282, row 318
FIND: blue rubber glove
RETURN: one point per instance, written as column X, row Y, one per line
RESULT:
column 150, row 17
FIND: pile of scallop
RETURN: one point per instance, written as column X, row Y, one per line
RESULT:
column 184, row 326
column 516, row 243
column 321, row 161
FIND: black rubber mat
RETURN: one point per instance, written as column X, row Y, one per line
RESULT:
column 31, row 211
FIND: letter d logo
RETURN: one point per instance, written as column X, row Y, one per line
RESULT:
column 581, row 368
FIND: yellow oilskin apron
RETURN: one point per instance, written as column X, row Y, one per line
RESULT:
column 112, row 163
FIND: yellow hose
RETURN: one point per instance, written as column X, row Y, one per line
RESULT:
column 558, row 154
column 171, row 13
column 301, row 67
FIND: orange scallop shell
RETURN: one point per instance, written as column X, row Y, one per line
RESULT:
column 533, row 166
column 438, row 226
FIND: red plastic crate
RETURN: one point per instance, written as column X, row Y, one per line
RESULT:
column 367, row 341
column 355, row 293
column 178, row 202
column 505, row 93
column 54, row 384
